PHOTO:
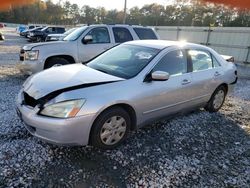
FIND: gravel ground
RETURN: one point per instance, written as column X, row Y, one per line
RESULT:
column 195, row 150
column 10, row 48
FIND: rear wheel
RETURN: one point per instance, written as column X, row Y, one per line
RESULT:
column 56, row 61
column 111, row 128
column 217, row 99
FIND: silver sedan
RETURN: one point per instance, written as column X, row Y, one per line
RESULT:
column 126, row 87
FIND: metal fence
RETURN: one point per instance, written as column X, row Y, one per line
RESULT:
column 225, row 40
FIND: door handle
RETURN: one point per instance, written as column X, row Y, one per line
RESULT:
column 216, row 73
column 185, row 82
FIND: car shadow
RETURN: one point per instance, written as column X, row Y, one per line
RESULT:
column 195, row 149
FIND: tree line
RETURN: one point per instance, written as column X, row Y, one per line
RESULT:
column 180, row 13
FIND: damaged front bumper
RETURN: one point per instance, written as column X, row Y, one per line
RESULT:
column 70, row 131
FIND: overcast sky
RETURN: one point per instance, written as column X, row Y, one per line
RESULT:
column 117, row 4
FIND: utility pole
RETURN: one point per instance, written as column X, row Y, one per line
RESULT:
column 125, row 12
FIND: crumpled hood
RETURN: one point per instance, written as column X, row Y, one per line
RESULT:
column 57, row 78
column 45, row 44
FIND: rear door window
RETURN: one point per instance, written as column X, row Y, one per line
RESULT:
column 201, row 60
column 145, row 33
column 122, row 34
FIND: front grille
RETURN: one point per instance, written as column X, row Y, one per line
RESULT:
column 22, row 55
column 28, row 100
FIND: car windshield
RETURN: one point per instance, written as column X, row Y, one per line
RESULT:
column 75, row 34
column 44, row 29
column 69, row 31
column 124, row 61
column 36, row 29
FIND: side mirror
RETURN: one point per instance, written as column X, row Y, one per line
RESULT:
column 87, row 39
column 160, row 76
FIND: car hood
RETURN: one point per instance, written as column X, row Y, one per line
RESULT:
column 56, row 43
column 64, row 77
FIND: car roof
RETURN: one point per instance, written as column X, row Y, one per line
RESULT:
column 120, row 25
column 161, row 44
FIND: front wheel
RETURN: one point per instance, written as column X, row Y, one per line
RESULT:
column 55, row 62
column 217, row 99
column 39, row 39
column 111, row 128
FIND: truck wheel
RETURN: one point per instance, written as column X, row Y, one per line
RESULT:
column 56, row 61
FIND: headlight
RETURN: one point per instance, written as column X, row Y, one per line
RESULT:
column 31, row 55
column 65, row 109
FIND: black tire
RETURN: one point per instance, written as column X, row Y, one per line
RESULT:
column 56, row 61
column 211, row 107
column 1, row 37
column 39, row 39
column 98, row 127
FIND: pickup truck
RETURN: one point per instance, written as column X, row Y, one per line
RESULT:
column 80, row 46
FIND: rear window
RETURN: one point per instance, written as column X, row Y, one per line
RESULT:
column 122, row 34
column 145, row 33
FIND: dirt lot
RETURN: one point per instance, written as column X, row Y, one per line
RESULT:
column 196, row 150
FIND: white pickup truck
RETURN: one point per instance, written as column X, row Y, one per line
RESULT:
column 80, row 46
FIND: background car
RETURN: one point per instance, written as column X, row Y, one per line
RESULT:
column 56, row 37
column 40, row 36
column 21, row 28
column 26, row 29
column 29, row 28
column 27, row 32
column 123, row 89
